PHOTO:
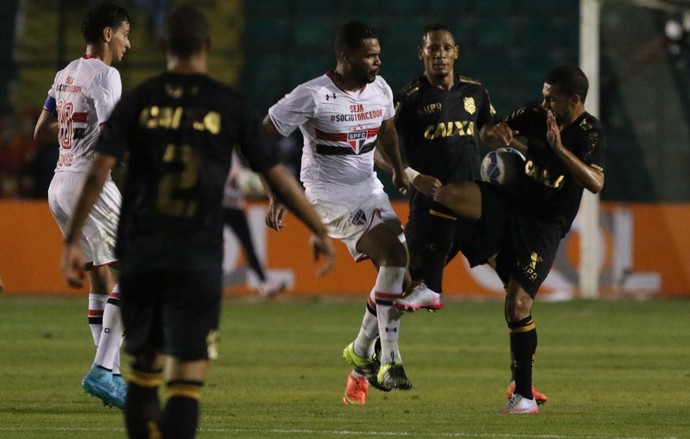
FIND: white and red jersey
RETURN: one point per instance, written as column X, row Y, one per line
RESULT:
column 340, row 129
column 85, row 94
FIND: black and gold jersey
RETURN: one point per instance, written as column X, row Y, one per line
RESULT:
column 545, row 187
column 176, row 133
column 439, row 128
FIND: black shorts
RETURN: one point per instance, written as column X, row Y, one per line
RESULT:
column 440, row 231
column 173, row 312
column 526, row 244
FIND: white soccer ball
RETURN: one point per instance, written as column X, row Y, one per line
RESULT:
column 501, row 166
column 250, row 184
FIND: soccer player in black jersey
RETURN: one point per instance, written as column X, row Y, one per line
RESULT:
column 177, row 131
column 439, row 117
column 524, row 223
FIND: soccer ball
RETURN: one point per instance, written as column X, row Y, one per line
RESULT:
column 501, row 166
column 250, row 184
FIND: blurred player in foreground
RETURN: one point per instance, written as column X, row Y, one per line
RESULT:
column 524, row 223
column 79, row 103
column 344, row 115
column 179, row 130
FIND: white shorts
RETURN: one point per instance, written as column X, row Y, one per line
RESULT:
column 350, row 215
column 98, row 235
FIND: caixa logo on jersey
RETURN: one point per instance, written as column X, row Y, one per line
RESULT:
column 356, row 139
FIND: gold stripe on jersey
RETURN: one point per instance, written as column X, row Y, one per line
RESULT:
column 411, row 88
column 435, row 212
column 468, row 80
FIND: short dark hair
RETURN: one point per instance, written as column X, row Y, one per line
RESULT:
column 102, row 16
column 435, row 27
column 350, row 36
column 185, row 31
column 570, row 79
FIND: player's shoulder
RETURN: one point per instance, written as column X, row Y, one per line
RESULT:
column 466, row 80
column 589, row 124
column 411, row 89
column 530, row 109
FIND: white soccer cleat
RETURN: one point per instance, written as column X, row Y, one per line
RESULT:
column 517, row 405
column 271, row 287
column 421, row 297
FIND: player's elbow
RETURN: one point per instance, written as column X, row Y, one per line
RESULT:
column 597, row 185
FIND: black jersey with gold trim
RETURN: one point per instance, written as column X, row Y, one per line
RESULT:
column 439, row 128
column 546, row 187
column 177, row 133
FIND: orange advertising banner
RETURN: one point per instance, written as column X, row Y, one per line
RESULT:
column 645, row 251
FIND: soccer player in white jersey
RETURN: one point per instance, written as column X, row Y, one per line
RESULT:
column 81, row 99
column 344, row 115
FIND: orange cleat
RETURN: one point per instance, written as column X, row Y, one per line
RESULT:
column 356, row 391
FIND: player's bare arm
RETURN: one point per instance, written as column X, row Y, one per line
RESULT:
column 586, row 176
column 390, row 151
column 72, row 261
column 425, row 184
column 46, row 130
column 275, row 214
column 290, row 194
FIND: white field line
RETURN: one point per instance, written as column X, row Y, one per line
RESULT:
column 279, row 432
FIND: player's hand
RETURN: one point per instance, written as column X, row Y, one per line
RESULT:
column 275, row 215
column 553, row 133
column 426, row 184
column 502, row 133
column 322, row 247
column 72, row 265
column 2, row 287
column 401, row 181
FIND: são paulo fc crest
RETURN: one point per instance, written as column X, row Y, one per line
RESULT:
column 470, row 107
column 356, row 139
column 359, row 218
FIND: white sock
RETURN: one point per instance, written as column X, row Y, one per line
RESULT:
column 112, row 334
column 95, row 314
column 369, row 331
column 389, row 287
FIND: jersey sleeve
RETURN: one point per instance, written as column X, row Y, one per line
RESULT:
column 487, row 113
column 114, row 136
column 292, row 110
column 595, row 149
column 106, row 89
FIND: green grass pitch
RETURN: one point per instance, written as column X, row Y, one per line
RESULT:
column 610, row 369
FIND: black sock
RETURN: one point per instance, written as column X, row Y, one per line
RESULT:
column 439, row 231
column 142, row 406
column 181, row 415
column 523, row 345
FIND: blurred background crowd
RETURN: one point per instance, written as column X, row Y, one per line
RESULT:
column 266, row 47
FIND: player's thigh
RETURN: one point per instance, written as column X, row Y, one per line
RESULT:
column 191, row 312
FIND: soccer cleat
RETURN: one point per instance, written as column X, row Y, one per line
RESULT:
column 367, row 367
column 392, row 375
column 538, row 396
column 271, row 288
column 421, row 297
column 517, row 405
column 99, row 382
column 356, row 391
column 121, row 385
